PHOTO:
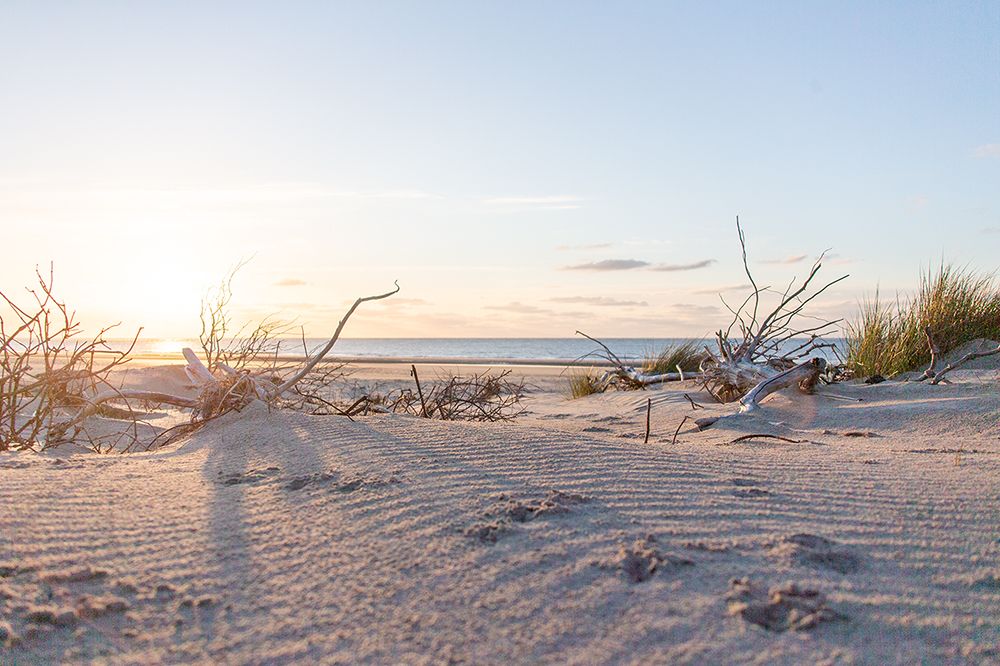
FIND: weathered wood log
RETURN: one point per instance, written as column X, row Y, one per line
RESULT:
column 94, row 405
column 633, row 375
column 196, row 371
column 622, row 371
column 804, row 375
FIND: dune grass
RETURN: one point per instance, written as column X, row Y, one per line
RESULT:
column 958, row 304
column 582, row 384
column 687, row 356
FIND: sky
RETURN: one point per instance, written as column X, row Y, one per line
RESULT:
column 523, row 169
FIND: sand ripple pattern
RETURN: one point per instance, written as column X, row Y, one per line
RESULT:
column 278, row 538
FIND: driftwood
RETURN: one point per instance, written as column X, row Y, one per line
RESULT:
column 931, row 372
column 219, row 392
column 804, row 376
column 764, row 346
column 624, row 375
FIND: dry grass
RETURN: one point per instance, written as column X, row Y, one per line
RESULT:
column 958, row 304
column 582, row 384
column 686, row 356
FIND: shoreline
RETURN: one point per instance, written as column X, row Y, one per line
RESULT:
column 163, row 359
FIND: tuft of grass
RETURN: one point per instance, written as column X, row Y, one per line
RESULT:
column 583, row 384
column 687, row 355
column 958, row 304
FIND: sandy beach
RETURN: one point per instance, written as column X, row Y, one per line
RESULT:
column 277, row 537
column 503, row 333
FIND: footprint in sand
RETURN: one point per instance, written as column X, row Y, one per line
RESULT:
column 500, row 518
column 748, row 488
column 788, row 607
column 56, row 599
column 643, row 558
column 251, row 476
column 815, row 551
column 348, row 485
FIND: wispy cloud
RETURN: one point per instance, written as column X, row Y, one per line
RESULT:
column 594, row 246
column 602, row 301
column 694, row 310
column 991, row 230
column 519, row 308
column 609, row 265
column 794, row 259
column 290, row 282
column 712, row 291
column 670, row 268
column 987, row 150
column 837, row 259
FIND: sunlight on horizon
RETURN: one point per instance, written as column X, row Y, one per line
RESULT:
column 505, row 204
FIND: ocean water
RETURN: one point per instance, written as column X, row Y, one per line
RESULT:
column 487, row 349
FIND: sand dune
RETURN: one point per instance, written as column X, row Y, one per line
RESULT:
column 274, row 537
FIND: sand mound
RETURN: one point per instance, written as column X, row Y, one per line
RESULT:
column 978, row 345
column 162, row 378
column 273, row 537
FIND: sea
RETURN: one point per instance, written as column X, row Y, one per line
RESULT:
column 467, row 350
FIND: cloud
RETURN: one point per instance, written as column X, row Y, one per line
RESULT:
column 837, row 259
column 991, row 230
column 713, row 291
column 594, row 246
column 987, row 150
column 518, row 308
column 794, row 259
column 290, row 282
column 602, row 301
column 670, row 268
column 609, row 265
column 691, row 309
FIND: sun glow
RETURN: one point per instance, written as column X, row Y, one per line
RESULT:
column 169, row 346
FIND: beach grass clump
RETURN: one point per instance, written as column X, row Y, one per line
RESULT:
column 958, row 304
column 687, row 356
column 582, row 384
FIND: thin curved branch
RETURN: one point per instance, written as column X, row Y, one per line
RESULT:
column 329, row 345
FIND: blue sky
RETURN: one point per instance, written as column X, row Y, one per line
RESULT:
column 477, row 151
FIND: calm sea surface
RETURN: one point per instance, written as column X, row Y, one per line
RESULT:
column 493, row 349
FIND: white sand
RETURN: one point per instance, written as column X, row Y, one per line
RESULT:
column 278, row 538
